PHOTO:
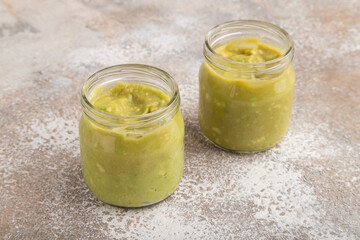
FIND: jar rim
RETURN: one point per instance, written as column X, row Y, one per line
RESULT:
column 111, row 119
column 288, row 53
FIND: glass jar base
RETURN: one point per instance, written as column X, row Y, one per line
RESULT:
column 146, row 204
column 236, row 151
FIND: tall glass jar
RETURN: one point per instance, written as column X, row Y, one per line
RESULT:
column 246, row 106
column 132, row 161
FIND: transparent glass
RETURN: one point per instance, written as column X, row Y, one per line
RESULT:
column 246, row 107
column 132, row 161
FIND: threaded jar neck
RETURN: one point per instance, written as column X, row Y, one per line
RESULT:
column 266, row 32
column 131, row 73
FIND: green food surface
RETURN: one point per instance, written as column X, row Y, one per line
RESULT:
column 132, row 168
column 244, row 111
column 248, row 50
column 129, row 99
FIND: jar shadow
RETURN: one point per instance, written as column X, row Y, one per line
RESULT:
column 197, row 143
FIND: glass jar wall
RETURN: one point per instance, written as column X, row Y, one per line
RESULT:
column 246, row 85
column 134, row 160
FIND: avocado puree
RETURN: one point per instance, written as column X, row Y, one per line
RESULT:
column 129, row 99
column 245, row 110
column 132, row 167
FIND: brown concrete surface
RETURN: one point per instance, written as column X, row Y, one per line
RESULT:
column 307, row 187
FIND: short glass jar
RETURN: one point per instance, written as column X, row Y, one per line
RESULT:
column 132, row 161
column 246, row 106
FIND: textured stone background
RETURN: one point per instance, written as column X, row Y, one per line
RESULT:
column 307, row 187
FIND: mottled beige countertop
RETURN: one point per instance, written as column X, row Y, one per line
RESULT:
column 307, row 187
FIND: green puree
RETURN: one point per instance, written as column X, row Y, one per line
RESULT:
column 132, row 167
column 127, row 99
column 245, row 110
column 249, row 50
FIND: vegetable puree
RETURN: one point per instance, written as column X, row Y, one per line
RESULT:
column 248, row 109
column 129, row 99
column 132, row 167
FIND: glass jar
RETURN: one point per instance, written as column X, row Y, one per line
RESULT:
column 132, row 161
column 244, row 106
